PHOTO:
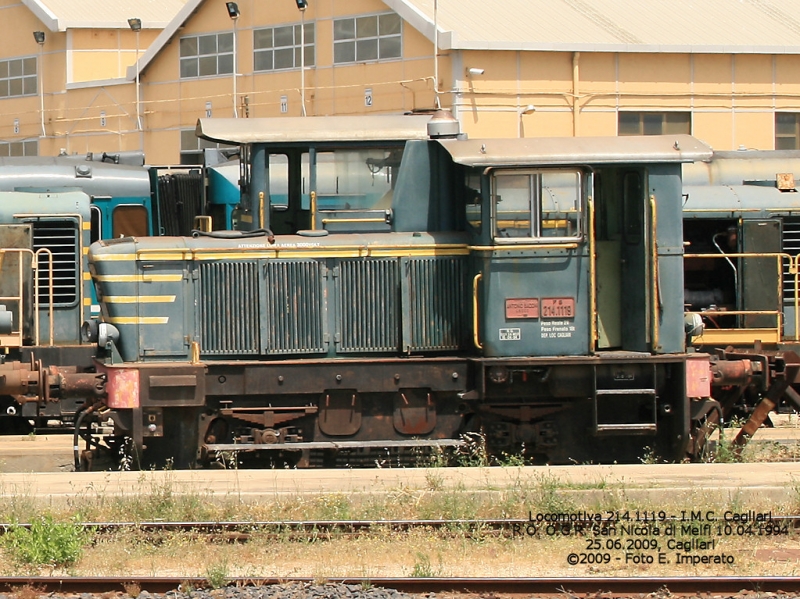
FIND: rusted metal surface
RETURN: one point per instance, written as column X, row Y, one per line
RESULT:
column 414, row 412
column 81, row 384
column 402, row 443
column 731, row 372
column 314, row 526
column 340, row 412
column 19, row 379
column 556, row 586
column 786, row 369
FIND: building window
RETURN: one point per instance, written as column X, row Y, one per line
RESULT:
column 19, row 148
column 362, row 39
column 278, row 48
column 192, row 147
column 654, row 123
column 206, row 55
column 787, row 126
column 18, row 77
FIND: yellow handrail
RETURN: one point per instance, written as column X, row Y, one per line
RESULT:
column 592, row 278
column 475, row 336
column 313, row 202
column 656, row 305
column 794, row 269
column 19, row 298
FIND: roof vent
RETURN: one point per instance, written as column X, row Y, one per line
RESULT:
column 443, row 125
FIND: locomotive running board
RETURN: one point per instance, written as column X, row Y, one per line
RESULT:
column 335, row 445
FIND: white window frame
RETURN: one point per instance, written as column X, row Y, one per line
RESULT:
column 356, row 39
column 220, row 58
column 309, row 45
column 17, row 71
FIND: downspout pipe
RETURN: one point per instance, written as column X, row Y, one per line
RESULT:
column 576, row 77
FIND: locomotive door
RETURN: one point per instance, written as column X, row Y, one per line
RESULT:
column 531, row 290
column 158, row 284
column 759, row 281
column 622, row 266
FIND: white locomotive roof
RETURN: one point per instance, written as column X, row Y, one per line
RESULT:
column 577, row 150
column 314, row 128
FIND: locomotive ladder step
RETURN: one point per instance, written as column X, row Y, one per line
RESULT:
column 626, row 392
column 335, row 445
column 631, row 428
column 627, row 428
column 603, row 420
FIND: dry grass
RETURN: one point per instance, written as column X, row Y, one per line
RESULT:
column 384, row 552
column 418, row 553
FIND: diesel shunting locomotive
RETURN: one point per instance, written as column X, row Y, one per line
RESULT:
column 374, row 288
column 396, row 295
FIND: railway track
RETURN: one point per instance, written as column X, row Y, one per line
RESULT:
column 686, row 586
column 335, row 526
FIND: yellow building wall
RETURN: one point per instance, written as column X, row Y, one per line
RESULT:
column 732, row 99
column 96, row 55
column 396, row 85
column 787, row 82
column 20, row 116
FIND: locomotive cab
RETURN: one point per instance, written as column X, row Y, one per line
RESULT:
column 323, row 174
column 577, row 300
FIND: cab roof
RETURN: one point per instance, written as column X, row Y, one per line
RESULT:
column 533, row 151
column 314, row 129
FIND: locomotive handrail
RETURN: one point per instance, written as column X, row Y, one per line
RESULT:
column 18, row 298
column 526, row 246
column 592, row 277
column 794, row 269
column 655, row 300
column 325, row 221
column 313, row 208
column 475, row 335
column 51, row 330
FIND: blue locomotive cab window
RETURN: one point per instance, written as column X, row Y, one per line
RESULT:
column 542, row 205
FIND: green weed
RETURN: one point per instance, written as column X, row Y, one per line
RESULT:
column 422, row 567
column 47, row 542
column 217, row 575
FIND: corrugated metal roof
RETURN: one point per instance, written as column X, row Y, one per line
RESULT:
column 697, row 26
column 60, row 15
column 714, row 26
column 314, row 128
column 577, row 150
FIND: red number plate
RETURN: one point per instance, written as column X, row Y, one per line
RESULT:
column 558, row 307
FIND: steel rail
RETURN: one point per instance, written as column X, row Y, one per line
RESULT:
column 362, row 525
column 677, row 585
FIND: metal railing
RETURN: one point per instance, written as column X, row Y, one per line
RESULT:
column 15, row 338
column 741, row 333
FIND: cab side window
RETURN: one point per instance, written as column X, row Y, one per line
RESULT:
column 537, row 205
